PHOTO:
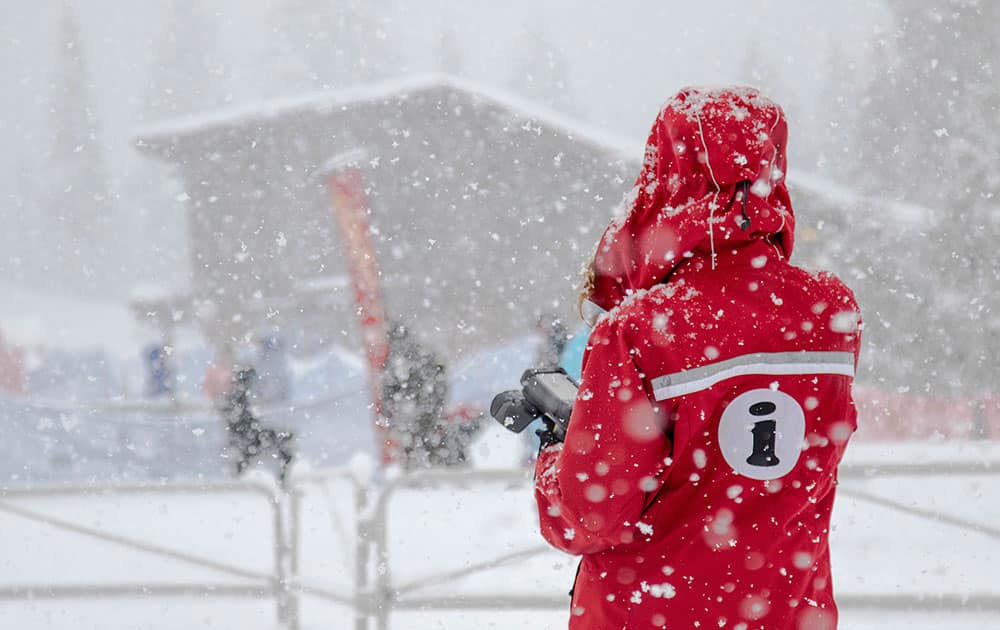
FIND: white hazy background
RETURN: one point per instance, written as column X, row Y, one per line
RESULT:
column 616, row 63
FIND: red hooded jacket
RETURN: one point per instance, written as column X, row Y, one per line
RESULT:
column 699, row 468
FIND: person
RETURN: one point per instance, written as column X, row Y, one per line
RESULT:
column 12, row 379
column 273, row 372
column 553, row 340
column 571, row 358
column 160, row 370
column 218, row 380
column 698, row 470
column 248, row 438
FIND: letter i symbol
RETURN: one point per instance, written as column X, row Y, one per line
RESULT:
column 763, row 436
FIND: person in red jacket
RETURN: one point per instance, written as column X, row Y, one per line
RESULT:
column 698, row 471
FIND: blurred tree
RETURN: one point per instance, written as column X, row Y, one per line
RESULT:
column 21, row 219
column 414, row 393
column 189, row 73
column 929, row 134
column 78, row 209
column 542, row 75
column 324, row 44
column 926, row 108
column 834, row 134
column 449, row 54
column 757, row 70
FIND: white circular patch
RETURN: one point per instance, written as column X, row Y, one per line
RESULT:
column 761, row 433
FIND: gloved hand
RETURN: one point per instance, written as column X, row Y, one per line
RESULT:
column 548, row 436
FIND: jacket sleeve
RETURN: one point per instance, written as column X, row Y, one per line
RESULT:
column 591, row 490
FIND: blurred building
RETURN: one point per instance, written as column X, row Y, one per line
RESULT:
column 484, row 209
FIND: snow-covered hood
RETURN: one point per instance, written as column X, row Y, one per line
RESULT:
column 706, row 148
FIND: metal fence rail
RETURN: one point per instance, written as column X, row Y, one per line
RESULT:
column 358, row 599
column 384, row 597
column 271, row 585
column 375, row 595
column 60, row 441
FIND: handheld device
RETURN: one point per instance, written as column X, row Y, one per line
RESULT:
column 545, row 392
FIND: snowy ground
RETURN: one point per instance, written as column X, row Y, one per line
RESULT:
column 230, row 532
column 877, row 550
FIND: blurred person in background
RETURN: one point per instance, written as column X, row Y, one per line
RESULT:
column 12, row 379
column 273, row 373
column 160, row 371
column 218, row 380
column 572, row 355
column 553, row 340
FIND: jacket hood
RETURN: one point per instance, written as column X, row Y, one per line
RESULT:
column 713, row 175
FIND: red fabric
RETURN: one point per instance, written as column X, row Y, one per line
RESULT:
column 11, row 368
column 702, row 145
column 671, row 535
column 218, row 380
column 894, row 416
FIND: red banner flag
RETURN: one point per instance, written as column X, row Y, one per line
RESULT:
column 350, row 208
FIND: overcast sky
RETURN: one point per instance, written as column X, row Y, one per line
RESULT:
column 624, row 58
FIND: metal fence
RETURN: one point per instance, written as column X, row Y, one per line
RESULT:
column 152, row 440
column 252, row 584
column 283, row 583
column 383, row 596
column 375, row 595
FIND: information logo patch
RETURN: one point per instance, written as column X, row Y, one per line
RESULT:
column 761, row 433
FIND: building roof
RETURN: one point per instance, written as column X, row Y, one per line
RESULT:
column 259, row 113
column 161, row 138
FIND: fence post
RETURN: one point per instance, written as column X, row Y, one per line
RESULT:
column 295, row 542
column 280, row 574
column 362, row 554
column 382, row 600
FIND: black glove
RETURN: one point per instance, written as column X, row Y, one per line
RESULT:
column 548, row 435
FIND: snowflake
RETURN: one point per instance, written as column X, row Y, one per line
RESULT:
column 660, row 591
